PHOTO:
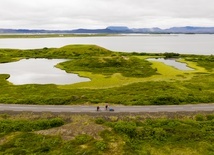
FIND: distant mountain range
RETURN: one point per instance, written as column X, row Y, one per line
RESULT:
column 121, row 29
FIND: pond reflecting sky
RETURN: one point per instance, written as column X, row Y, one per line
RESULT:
column 38, row 71
column 173, row 63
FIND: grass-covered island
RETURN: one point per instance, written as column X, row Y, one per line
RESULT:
column 116, row 78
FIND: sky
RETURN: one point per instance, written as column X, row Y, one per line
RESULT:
column 74, row 14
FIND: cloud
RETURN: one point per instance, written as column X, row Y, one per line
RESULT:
column 70, row 14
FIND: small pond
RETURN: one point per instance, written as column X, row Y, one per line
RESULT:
column 38, row 71
column 172, row 62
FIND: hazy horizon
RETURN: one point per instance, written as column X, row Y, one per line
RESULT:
column 105, row 28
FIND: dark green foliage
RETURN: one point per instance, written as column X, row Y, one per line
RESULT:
column 128, row 66
column 26, row 142
column 210, row 117
column 203, row 61
column 29, row 143
column 199, row 117
column 164, row 129
column 124, row 127
column 92, row 146
column 8, row 125
column 125, row 136
column 163, row 132
column 99, row 121
column 171, row 55
column 101, row 145
column 32, row 143
column 165, row 100
column 82, row 139
column 144, row 93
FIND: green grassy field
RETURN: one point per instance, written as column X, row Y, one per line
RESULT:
column 116, row 78
column 47, row 134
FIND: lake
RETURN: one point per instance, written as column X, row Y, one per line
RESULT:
column 202, row 44
column 173, row 63
column 38, row 71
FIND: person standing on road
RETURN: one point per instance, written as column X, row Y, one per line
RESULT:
column 106, row 106
column 98, row 108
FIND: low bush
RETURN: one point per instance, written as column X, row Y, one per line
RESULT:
column 82, row 139
column 99, row 120
column 200, row 117
column 8, row 125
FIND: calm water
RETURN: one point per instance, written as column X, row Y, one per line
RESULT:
column 38, row 71
column 173, row 63
column 184, row 44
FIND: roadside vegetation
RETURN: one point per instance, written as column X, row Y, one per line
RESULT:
column 48, row 134
column 116, row 78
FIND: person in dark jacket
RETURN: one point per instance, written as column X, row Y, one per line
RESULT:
column 98, row 108
column 106, row 106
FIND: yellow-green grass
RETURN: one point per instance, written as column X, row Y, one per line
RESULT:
column 101, row 81
column 190, row 64
column 173, row 150
column 166, row 73
column 148, row 56
column 193, row 65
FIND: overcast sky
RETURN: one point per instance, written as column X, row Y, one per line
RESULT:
column 72, row 14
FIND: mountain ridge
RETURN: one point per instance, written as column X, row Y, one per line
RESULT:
column 119, row 29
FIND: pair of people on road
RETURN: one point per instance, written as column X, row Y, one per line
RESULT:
column 106, row 107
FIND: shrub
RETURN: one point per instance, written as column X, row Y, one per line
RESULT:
column 101, row 145
column 199, row 117
column 82, row 139
column 210, row 117
column 159, row 134
column 7, row 126
column 55, row 122
column 165, row 100
column 127, row 128
column 99, row 121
